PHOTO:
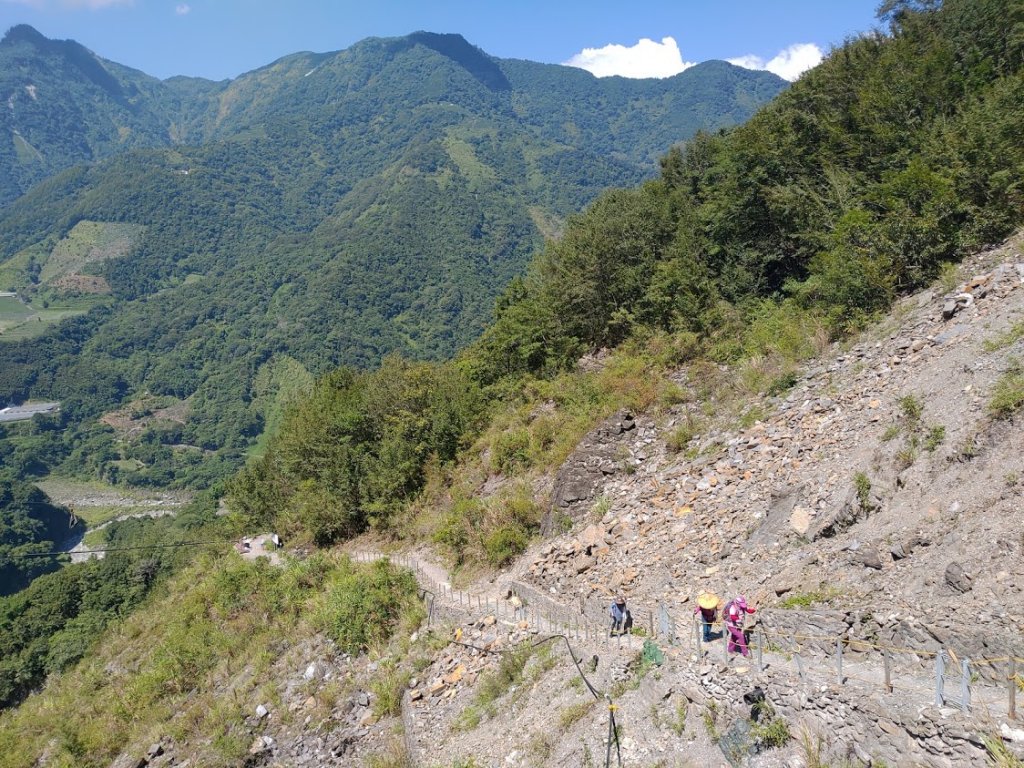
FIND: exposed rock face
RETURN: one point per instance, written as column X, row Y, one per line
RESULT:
column 602, row 454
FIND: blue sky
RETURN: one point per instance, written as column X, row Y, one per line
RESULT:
column 223, row 38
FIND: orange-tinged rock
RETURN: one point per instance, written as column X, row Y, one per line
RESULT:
column 456, row 675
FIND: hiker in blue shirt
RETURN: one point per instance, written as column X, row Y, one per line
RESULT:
column 622, row 620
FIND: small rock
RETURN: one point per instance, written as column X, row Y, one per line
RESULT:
column 260, row 745
column 783, row 587
column 313, row 672
column 1011, row 734
column 262, row 711
column 800, row 520
column 889, row 727
column 957, row 578
column 869, row 558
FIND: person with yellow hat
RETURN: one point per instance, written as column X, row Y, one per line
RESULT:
column 707, row 607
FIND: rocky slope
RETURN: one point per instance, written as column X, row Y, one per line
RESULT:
column 882, row 478
column 876, row 504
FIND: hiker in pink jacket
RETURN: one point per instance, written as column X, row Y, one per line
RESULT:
column 735, row 613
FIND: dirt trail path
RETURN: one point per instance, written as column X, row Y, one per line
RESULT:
column 912, row 688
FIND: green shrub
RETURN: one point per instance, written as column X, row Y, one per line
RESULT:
column 468, row 719
column 364, row 605
column 949, row 276
column 782, row 384
column 395, row 756
column 313, row 510
column 862, row 484
column 1008, row 394
column 1010, row 337
column 681, row 436
column 505, row 543
column 934, row 438
column 511, row 451
column 912, row 409
column 574, row 712
column 774, row 732
column 807, row 599
column 679, row 724
column 494, row 684
column 388, row 685
column 455, row 528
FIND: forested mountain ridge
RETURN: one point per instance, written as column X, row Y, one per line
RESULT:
column 651, row 371
column 63, row 105
column 753, row 249
column 66, row 105
column 329, row 209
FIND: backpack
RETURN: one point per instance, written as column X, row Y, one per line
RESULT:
column 726, row 609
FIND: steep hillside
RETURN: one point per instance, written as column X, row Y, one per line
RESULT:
column 329, row 208
column 788, row 367
column 927, row 558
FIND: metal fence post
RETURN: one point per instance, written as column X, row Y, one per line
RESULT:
column 725, row 647
column 700, row 650
column 965, row 685
column 839, row 659
column 887, row 660
column 800, row 666
column 1012, row 685
column 760, row 650
column 940, row 678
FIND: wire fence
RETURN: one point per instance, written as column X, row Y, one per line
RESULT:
column 942, row 676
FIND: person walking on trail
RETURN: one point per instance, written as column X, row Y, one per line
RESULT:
column 707, row 607
column 622, row 620
column 735, row 614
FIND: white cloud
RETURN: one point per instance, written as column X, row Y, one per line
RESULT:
column 183, row 9
column 645, row 59
column 788, row 64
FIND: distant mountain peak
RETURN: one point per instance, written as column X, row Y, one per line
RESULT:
column 74, row 53
column 468, row 56
column 24, row 33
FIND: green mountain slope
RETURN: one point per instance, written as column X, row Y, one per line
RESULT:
column 708, row 285
column 332, row 208
column 63, row 105
column 754, row 249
